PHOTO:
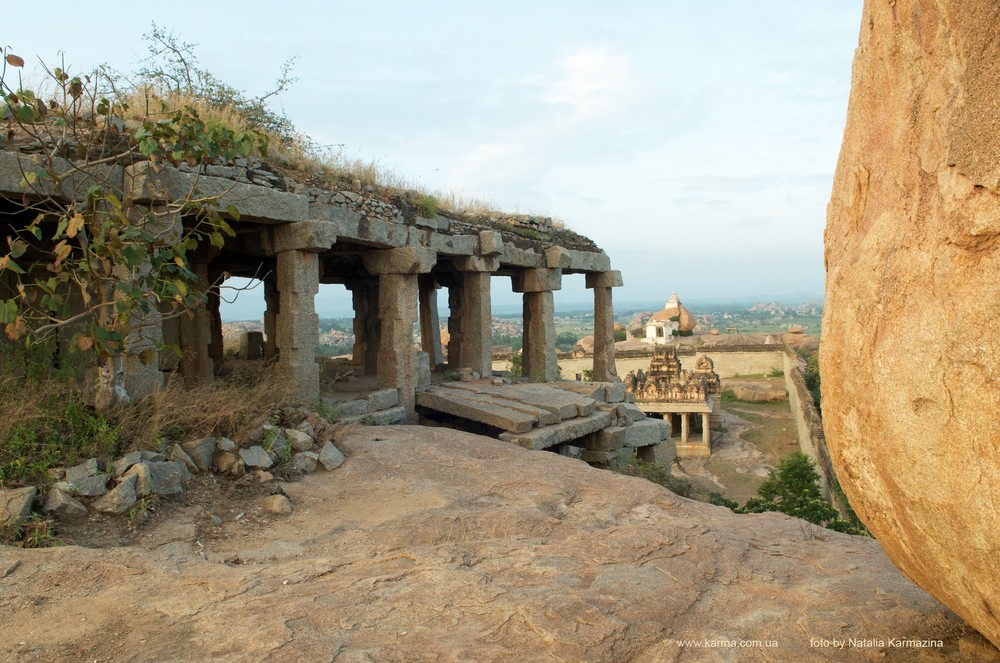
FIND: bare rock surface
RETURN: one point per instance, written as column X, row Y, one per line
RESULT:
column 434, row 545
column 910, row 355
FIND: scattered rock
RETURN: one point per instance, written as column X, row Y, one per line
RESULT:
column 331, row 457
column 299, row 440
column 277, row 504
column 225, row 444
column 120, row 499
column 56, row 473
column 307, row 427
column 15, row 505
column 155, row 456
column 201, row 452
column 64, row 506
column 92, row 486
column 121, row 466
column 305, row 462
column 85, row 469
column 256, row 457
column 264, row 476
column 177, row 453
column 161, row 478
column 225, row 460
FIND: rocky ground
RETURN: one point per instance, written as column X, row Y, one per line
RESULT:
column 435, row 545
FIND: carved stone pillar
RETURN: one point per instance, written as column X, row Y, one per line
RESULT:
column 604, row 324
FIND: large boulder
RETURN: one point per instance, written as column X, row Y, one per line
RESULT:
column 910, row 355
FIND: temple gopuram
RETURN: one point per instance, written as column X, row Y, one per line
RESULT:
column 668, row 390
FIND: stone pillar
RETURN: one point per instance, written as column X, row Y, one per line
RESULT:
column 364, row 293
column 476, row 321
column 685, row 427
column 456, row 303
column 430, row 324
column 297, row 324
column 397, row 311
column 216, row 349
column 706, row 431
column 195, row 337
column 604, row 324
column 539, row 358
column 272, row 299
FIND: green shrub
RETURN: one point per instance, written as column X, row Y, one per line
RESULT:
column 620, row 335
column 427, row 206
column 718, row 499
column 516, row 366
column 776, row 373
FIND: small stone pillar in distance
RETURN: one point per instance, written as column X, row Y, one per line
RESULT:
column 604, row 323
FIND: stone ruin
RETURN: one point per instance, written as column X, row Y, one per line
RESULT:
column 294, row 237
column 667, row 390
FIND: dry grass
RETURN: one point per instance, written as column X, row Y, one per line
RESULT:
column 231, row 407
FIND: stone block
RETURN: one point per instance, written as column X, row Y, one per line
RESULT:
column 61, row 504
column 121, row 498
column 517, row 257
column 252, row 345
column 612, row 279
column 616, row 391
column 202, row 452
column 537, row 280
column 392, row 415
column 382, row 233
column 177, row 453
column 566, row 431
column 449, row 401
column 408, row 260
column 490, row 243
column 330, row 457
column 301, row 236
column 630, row 412
column 15, row 505
column 453, row 245
column 570, row 451
column 422, row 364
column 643, row 433
column 606, row 439
column 589, row 261
column 556, row 257
column 73, row 184
column 383, row 399
column 476, row 263
column 354, row 408
column 143, row 184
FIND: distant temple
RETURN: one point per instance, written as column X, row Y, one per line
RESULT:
column 670, row 391
column 673, row 320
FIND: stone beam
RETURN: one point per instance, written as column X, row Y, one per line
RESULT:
column 298, row 324
column 74, row 181
column 407, row 260
column 476, row 264
column 490, row 243
column 300, row 236
column 145, row 184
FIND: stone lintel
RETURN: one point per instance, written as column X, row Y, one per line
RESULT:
column 612, row 279
column 490, row 243
column 144, row 184
column 556, row 257
column 74, row 184
column 516, row 257
column 453, row 245
column 537, row 280
column 313, row 236
column 588, row 261
column 407, row 260
column 477, row 264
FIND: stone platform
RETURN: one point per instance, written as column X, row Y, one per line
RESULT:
column 588, row 420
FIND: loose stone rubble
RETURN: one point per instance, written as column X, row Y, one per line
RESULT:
column 124, row 481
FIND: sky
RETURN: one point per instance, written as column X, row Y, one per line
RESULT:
column 694, row 142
